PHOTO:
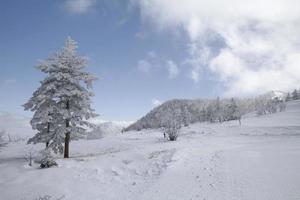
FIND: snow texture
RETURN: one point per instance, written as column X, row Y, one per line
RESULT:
column 257, row 160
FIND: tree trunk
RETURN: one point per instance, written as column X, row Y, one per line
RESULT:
column 67, row 137
column 48, row 132
column 67, row 141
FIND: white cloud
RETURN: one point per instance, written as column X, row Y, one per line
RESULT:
column 147, row 64
column 144, row 66
column 251, row 45
column 199, row 57
column 154, row 62
column 79, row 6
column 156, row 102
column 173, row 69
column 227, row 65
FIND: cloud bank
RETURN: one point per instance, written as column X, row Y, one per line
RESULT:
column 250, row 46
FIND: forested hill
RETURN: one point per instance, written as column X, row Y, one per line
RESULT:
column 214, row 110
column 190, row 111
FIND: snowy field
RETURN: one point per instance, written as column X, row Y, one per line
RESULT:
column 259, row 160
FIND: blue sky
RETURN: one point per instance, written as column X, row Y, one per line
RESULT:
column 32, row 30
column 145, row 52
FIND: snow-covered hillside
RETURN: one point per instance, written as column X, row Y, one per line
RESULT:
column 214, row 110
column 257, row 160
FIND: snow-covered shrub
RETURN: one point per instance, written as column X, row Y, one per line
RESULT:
column 172, row 128
column 45, row 159
column 172, row 121
column 172, row 133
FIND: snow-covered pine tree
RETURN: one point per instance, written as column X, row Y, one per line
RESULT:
column 69, row 88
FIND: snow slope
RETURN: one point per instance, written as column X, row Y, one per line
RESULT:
column 257, row 160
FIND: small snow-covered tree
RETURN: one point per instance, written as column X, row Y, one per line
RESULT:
column 171, row 128
column 62, row 104
column 172, row 121
column 295, row 95
column 45, row 159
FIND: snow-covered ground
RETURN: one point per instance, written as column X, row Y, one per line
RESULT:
column 258, row 160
